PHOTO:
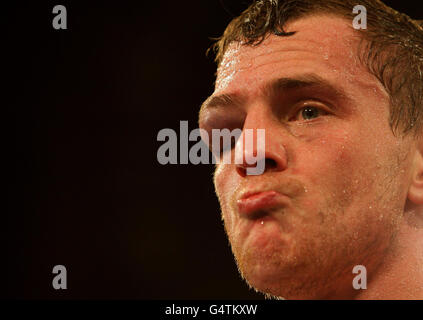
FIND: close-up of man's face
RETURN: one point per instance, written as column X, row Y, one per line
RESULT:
column 337, row 178
column 204, row 158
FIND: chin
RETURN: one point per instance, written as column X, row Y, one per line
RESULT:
column 265, row 281
column 283, row 288
column 283, row 279
column 267, row 276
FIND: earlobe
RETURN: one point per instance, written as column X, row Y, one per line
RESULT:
column 415, row 191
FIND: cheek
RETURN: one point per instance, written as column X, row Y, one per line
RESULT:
column 221, row 179
column 339, row 173
column 225, row 182
column 353, row 179
column 330, row 163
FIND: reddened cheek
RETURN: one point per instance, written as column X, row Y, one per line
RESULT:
column 225, row 183
column 220, row 177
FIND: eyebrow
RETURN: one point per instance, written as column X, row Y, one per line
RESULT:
column 306, row 81
column 220, row 100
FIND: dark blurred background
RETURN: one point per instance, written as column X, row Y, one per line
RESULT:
column 84, row 188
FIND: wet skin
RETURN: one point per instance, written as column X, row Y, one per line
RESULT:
column 341, row 176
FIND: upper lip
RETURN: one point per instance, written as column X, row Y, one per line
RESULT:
column 253, row 207
column 248, row 193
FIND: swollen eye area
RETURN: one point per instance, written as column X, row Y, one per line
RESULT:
column 223, row 140
column 225, row 145
column 224, row 123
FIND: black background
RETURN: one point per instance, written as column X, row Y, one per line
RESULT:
column 84, row 188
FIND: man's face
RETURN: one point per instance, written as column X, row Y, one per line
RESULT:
column 336, row 177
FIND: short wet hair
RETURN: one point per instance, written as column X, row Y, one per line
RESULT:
column 391, row 46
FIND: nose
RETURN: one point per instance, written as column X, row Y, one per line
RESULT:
column 268, row 152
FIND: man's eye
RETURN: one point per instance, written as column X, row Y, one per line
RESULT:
column 308, row 113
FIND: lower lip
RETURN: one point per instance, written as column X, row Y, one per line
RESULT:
column 259, row 201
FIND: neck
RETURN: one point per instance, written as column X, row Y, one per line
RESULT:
column 400, row 275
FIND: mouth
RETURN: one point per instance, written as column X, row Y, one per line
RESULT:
column 254, row 205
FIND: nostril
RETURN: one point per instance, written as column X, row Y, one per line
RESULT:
column 241, row 171
column 270, row 164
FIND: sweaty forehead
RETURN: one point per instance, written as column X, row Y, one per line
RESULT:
column 322, row 44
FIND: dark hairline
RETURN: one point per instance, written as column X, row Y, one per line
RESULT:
column 392, row 46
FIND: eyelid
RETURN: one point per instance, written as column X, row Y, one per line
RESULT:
column 314, row 103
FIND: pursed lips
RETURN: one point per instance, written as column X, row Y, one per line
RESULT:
column 257, row 197
column 251, row 202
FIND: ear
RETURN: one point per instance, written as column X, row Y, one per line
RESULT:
column 415, row 191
